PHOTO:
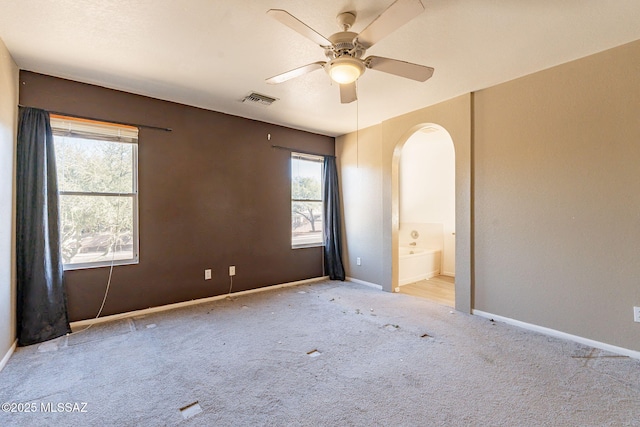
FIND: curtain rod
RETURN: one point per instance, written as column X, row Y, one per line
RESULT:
column 103, row 120
column 295, row 150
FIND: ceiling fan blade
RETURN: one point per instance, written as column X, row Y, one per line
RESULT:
column 348, row 93
column 399, row 68
column 399, row 13
column 296, row 72
column 295, row 24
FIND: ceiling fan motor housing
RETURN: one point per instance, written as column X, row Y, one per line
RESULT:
column 343, row 45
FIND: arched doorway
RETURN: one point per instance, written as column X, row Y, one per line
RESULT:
column 424, row 130
column 426, row 211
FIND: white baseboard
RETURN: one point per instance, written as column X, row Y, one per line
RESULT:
column 558, row 334
column 448, row 273
column 6, row 357
column 143, row 312
column 362, row 282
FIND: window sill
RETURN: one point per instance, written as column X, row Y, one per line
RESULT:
column 307, row 245
column 101, row 264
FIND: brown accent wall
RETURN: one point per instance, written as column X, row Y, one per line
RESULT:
column 212, row 193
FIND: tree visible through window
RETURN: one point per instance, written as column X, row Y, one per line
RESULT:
column 97, row 182
column 306, row 200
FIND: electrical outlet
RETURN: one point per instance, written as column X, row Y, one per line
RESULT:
column 232, row 270
column 358, row 262
column 636, row 314
column 207, row 274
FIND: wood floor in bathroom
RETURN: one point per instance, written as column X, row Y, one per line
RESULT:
column 440, row 289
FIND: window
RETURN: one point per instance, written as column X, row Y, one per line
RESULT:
column 97, row 167
column 306, row 200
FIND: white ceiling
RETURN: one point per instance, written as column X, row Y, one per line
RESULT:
column 212, row 53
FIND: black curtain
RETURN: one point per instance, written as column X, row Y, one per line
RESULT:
column 41, row 302
column 332, row 230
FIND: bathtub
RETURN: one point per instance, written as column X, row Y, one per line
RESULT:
column 417, row 264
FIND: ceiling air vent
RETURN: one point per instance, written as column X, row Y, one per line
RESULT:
column 259, row 99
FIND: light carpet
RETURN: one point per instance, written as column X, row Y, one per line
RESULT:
column 322, row 354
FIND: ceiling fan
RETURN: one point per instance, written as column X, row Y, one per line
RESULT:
column 344, row 50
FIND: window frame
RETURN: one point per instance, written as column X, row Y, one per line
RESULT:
column 310, row 158
column 133, row 195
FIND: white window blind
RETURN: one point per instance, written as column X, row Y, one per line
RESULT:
column 91, row 129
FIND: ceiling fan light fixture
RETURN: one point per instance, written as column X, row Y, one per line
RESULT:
column 345, row 70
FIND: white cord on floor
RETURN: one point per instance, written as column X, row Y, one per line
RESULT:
column 106, row 291
column 104, row 299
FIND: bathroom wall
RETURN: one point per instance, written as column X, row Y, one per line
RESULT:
column 427, row 193
column 429, row 235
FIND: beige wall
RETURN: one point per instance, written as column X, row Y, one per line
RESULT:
column 557, row 197
column 368, row 161
column 359, row 158
column 8, row 126
column 550, row 219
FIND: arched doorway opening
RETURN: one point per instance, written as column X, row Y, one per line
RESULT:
column 423, row 185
